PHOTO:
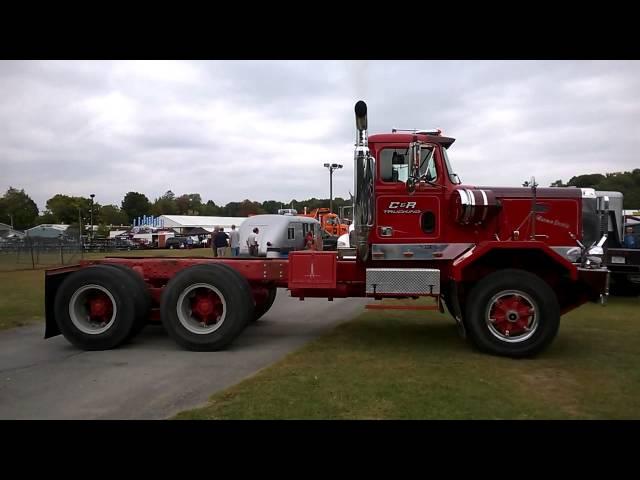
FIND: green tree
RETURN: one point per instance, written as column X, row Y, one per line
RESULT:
column 586, row 181
column 189, row 204
column 112, row 215
column 165, row 205
column 627, row 183
column 135, row 205
column 211, row 209
column 242, row 209
column 65, row 209
column 271, row 206
column 17, row 205
column 46, row 217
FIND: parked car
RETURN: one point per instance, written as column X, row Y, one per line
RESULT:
column 176, row 242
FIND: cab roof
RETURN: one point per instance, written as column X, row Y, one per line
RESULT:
column 408, row 138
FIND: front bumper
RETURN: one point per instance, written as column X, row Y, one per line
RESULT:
column 595, row 282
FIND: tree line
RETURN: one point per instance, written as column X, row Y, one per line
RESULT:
column 627, row 183
column 18, row 208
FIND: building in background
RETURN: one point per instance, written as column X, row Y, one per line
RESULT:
column 47, row 230
column 8, row 233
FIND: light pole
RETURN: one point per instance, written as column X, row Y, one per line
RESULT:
column 331, row 167
column 80, row 227
column 91, row 237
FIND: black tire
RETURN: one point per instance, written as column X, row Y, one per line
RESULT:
column 242, row 283
column 489, row 337
column 140, row 294
column 109, row 281
column 262, row 308
column 238, row 310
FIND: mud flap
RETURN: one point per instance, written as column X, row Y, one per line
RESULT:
column 457, row 311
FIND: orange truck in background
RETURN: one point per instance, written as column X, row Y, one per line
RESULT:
column 330, row 221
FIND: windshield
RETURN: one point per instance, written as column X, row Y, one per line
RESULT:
column 452, row 175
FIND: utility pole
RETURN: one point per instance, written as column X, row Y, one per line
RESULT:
column 11, row 216
column 331, row 167
column 91, row 237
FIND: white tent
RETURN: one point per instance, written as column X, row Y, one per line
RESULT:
column 192, row 221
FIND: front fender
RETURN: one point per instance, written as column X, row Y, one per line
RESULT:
column 466, row 260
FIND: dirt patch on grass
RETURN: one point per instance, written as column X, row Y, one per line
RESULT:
column 554, row 386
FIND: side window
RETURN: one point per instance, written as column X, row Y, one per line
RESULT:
column 394, row 164
column 291, row 233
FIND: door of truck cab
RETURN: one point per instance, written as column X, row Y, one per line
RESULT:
column 401, row 217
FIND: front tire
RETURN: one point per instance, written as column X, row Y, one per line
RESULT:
column 512, row 313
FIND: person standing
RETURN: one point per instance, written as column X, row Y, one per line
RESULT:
column 629, row 239
column 221, row 242
column 252, row 242
column 234, row 241
column 309, row 241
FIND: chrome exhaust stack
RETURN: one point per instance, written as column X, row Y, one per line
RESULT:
column 364, row 177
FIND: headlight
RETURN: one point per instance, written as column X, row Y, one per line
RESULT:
column 596, row 250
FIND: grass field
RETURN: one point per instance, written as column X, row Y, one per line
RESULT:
column 22, row 291
column 404, row 365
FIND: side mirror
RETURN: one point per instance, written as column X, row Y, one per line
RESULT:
column 414, row 166
column 414, row 163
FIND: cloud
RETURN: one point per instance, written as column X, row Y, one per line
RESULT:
column 262, row 130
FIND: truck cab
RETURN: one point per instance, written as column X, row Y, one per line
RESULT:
column 506, row 261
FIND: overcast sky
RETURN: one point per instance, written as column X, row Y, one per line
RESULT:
column 231, row 130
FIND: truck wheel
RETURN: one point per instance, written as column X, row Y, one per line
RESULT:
column 263, row 307
column 204, row 308
column 141, row 296
column 242, row 283
column 512, row 313
column 94, row 308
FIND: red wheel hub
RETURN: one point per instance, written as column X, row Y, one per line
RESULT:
column 511, row 314
column 206, row 306
column 100, row 307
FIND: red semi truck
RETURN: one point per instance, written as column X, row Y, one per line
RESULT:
column 506, row 262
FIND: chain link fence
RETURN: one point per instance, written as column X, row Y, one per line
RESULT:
column 33, row 253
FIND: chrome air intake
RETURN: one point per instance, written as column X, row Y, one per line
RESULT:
column 364, row 176
column 473, row 206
